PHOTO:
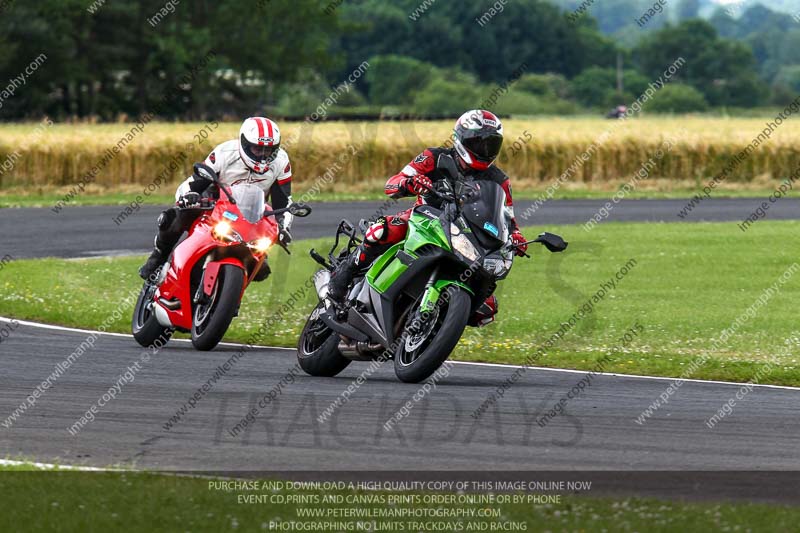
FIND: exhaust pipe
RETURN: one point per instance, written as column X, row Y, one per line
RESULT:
column 321, row 280
column 161, row 315
column 359, row 351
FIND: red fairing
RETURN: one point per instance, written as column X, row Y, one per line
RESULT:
column 423, row 164
column 192, row 252
column 510, row 202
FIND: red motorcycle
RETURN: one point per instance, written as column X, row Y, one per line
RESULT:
column 201, row 286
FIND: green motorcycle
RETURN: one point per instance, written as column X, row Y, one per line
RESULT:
column 413, row 303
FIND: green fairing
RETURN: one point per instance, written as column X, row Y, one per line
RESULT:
column 423, row 230
column 387, row 268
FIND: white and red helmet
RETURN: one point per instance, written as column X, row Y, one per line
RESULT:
column 259, row 141
column 478, row 136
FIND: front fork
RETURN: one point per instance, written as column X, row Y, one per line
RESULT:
column 434, row 289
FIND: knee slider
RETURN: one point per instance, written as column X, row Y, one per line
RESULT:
column 166, row 218
column 376, row 232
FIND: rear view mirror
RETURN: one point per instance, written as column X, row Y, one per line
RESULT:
column 300, row 210
column 205, row 172
column 552, row 242
column 446, row 163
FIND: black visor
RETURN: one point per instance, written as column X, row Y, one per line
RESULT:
column 257, row 152
column 485, row 148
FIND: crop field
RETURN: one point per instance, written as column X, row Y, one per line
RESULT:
column 602, row 154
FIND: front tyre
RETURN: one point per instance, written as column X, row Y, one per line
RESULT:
column 318, row 347
column 429, row 345
column 144, row 326
column 212, row 317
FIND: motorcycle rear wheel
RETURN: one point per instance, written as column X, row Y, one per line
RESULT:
column 318, row 348
column 439, row 337
column 144, row 326
column 210, row 320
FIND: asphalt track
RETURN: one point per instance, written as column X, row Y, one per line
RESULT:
column 598, row 431
column 92, row 231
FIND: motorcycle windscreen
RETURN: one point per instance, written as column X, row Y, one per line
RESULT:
column 485, row 213
column 250, row 201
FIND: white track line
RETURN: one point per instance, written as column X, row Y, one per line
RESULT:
column 50, row 466
column 125, row 335
column 496, row 365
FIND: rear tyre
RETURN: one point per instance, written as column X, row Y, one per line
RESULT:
column 144, row 326
column 424, row 351
column 212, row 318
column 318, row 347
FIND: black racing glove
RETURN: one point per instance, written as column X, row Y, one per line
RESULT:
column 190, row 199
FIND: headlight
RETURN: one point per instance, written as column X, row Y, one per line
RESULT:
column 223, row 230
column 497, row 267
column 462, row 244
column 261, row 245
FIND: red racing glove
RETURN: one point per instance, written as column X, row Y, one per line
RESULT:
column 418, row 184
column 519, row 240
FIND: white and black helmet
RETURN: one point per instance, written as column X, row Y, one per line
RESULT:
column 478, row 137
column 259, row 141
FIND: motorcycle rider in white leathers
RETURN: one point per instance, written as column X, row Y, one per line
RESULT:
column 255, row 157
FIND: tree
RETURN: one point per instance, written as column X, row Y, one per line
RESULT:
column 721, row 69
column 595, row 86
column 677, row 98
column 115, row 61
column 395, row 80
column 533, row 33
column 446, row 97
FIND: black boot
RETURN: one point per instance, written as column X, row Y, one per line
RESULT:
column 361, row 258
column 171, row 225
column 156, row 259
column 341, row 278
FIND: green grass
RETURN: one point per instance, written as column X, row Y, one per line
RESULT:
column 46, row 198
column 73, row 501
column 691, row 281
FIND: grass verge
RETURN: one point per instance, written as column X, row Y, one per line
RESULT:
column 124, row 195
column 130, row 501
column 688, row 284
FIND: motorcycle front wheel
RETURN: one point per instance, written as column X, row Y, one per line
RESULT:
column 144, row 326
column 213, row 317
column 426, row 347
